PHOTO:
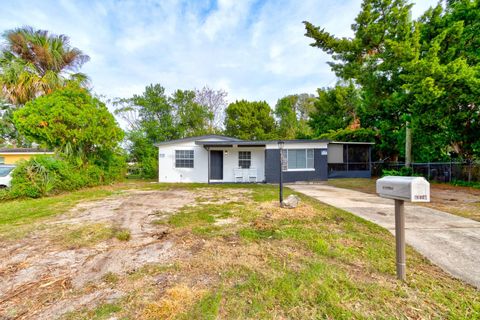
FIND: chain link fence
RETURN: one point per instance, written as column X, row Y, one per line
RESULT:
column 435, row 171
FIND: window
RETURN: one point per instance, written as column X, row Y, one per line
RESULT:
column 4, row 171
column 244, row 159
column 2, row 160
column 299, row 159
column 183, row 158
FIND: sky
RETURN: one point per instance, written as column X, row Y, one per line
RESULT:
column 254, row 50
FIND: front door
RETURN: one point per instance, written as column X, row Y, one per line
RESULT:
column 216, row 165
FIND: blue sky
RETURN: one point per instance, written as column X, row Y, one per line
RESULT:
column 252, row 49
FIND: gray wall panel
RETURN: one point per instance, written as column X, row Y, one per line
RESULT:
column 272, row 168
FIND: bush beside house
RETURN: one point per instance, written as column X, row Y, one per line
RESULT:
column 84, row 135
column 45, row 175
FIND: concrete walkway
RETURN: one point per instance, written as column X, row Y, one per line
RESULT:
column 451, row 242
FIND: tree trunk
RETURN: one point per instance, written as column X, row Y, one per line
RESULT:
column 408, row 145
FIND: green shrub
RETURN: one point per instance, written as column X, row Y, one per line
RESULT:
column 123, row 235
column 462, row 183
column 34, row 178
column 361, row 135
column 44, row 175
column 404, row 172
column 149, row 168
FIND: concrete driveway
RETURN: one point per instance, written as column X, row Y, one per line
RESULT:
column 451, row 242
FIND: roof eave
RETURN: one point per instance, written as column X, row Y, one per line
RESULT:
column 188, row 139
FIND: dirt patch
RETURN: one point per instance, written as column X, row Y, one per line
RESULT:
column 273, row 211
column 220, row 196
column 39, row 275
column 461, row 201
column 224, row 222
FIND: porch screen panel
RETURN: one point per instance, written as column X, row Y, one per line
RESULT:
column 183, row 158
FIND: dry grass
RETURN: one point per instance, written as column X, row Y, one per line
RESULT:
column 79, row 236
column 313, row 261
column 174, row 301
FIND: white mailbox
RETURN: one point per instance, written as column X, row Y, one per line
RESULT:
column 413, row 189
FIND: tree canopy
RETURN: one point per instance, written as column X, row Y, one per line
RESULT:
column 34, row 62
column 292, row 113
column 249, row 120
column 71, row 121
column 336, row 108
column 423, row 73
column 154, row 117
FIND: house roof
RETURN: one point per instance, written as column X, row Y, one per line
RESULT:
column 208, row 136
column 24, row 150
column 351, row 142
column 229, row 141
column 254, row 143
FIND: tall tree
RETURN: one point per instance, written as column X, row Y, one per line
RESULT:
column 154, row 117
column 336, row 108
column 421, row 76
column 292, row 113
column 373, row 59
column 215, row 101
column 191, row 118
column 249, row 120
column 150, row 119
column 71, row 121
column 34, row 62
column 444, row 79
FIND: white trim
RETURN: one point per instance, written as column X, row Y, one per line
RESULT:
column 306, row 159
column 175, row 159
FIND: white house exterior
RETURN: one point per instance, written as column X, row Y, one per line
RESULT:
column 219, row 159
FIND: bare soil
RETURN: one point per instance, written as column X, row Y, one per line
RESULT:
column 462, row 201
column 216, row 253
column 41, row 278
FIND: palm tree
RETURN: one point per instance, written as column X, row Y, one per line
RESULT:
column 34, row 62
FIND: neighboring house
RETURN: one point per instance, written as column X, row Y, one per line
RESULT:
column 216, row 159
column 12, row 155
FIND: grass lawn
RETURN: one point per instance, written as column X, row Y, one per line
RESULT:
column 457, row 200
column 246, row 258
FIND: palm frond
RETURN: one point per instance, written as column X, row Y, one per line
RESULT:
column 35, row 62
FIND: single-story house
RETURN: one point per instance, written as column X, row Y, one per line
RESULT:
column 12, row 155
column 217, row 159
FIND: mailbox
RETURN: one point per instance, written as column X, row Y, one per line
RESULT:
column 413, row 189
column 401, row 189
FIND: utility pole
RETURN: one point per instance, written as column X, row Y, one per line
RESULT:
column 408, row 145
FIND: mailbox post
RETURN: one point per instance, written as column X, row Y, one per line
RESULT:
column 400, row 239
column 401, row 189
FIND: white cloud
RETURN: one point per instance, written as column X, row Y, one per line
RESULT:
column 252, row 49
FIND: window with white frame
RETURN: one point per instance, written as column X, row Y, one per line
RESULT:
column 244, row 159
column 183, row 158
column 298, row 159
